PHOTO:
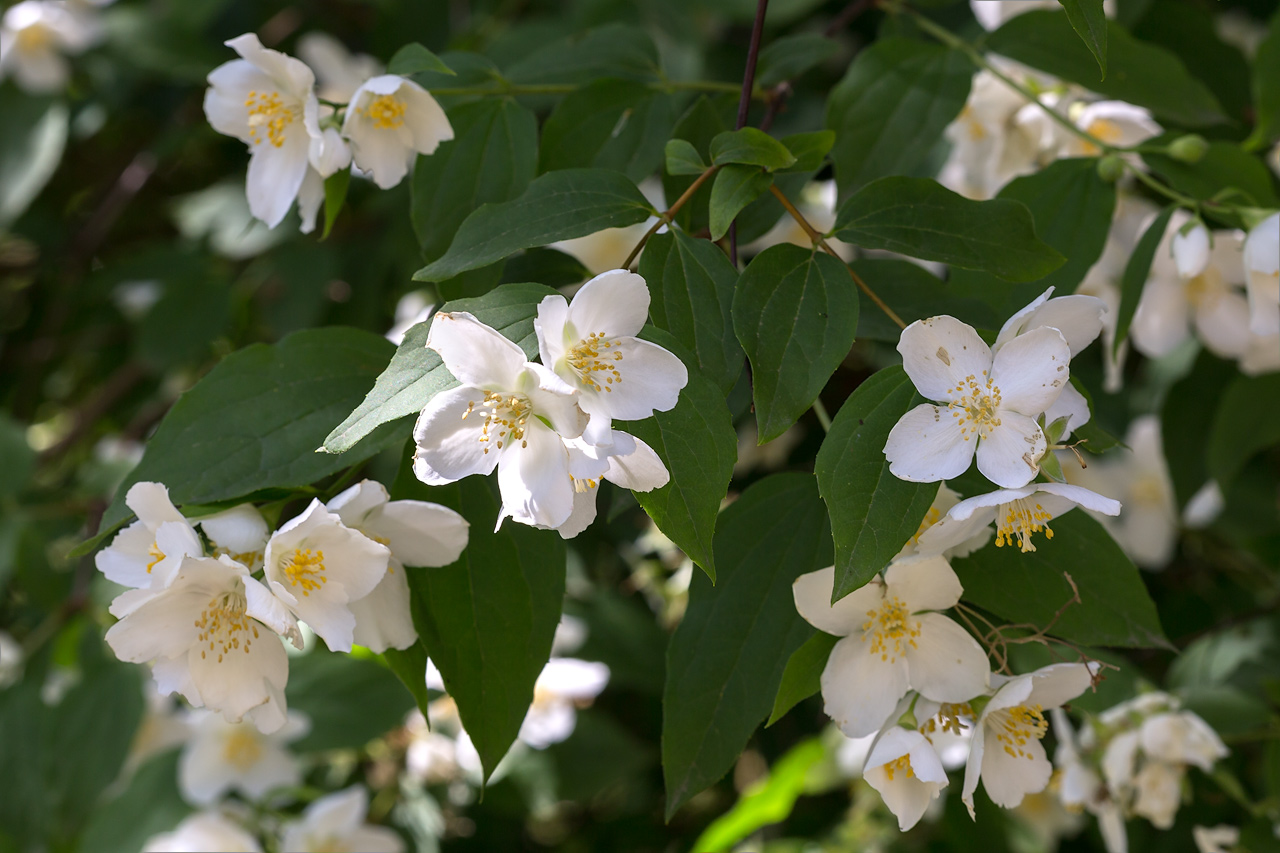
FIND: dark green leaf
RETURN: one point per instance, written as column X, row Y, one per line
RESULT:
column 254, row 421
column 1185, row 430
column 30, row 149
column 551, row 267
column 416, row 374
column 20, row 459
column 611, row 124
column 790, row 56
column 1224, row 165
column 683, row 159
column 727, row 657
column 873, row 513
column 1266, row 87
column 891, row 108
column 492, row 158
column 414, row 58
column 410, row 666
column 1090, row 22
column 335, row 195
column 913, row 293
column 1247, row 421
column 921, row 218
column 706, row 118
column 150, row 805
column 326, row 687
column 1136, row 271
column 25, row 803
column 556, row 206
column 795, row 312
column 487, row 620
column 691, row 282
column 750, row 147
column 1115, row 609
column 733, row 188
column 809, row 149
column 616, row 50
column 803, row 675
column 1139, row 73
column 697, row 442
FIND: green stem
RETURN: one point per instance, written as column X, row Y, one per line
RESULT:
column 821, row 411
column 1160, row 189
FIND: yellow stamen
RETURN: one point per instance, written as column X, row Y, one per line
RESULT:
column 386, row 112
column 1018, row 519
column 891, row 629
column 977, row 405
column 900, row 765
column 266, row 109
column 305, row 569
column 242, row 749
column 155, row 554
column 505, row 421
column 1016, row 727
column 591, row 356
column 223, row 624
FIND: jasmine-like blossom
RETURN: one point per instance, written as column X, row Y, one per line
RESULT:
column 222, row 756
column 389, row 122
column 35, row 38
column 562, row 686
column 626, row 461
column 240, row 532
column 892, row 641
column 991, row 402
column 337, row 822
column 1116, row 123
column 904, row 768
column 1262, row 268
column 339, row 72
column 209, row 830
column 1081, row 788
column 148, row 552
column 1222, row 838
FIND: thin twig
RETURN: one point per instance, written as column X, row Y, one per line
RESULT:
column 847, row 16
column 666, row 217
column 744, row 101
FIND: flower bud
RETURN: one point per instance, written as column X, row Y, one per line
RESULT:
column 1188, row 149
column 1110, row 168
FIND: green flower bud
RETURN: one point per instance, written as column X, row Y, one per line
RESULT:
column 1110, row 168
column 1188, row 149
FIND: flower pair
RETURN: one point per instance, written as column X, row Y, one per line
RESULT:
column 548, row 428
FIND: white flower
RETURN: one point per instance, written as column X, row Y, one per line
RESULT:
column 336, row 822
column 496, row 419
column 1080, row 787
column 240, row 532
column 204, row 831
column 1018, row 513
column 1147, row 527
column 1262, row 266
column 339, row 72
column 1212, row 300
column 431, row 756
column 418, row 534
column 161, row 729
column 266, row 100
column 389, row 121
column 891, row 642
column 904, row 768
column 1113, row 122
column 318, row 566
column 222, row 756
column 10, row 660
column 562, row 684
column 991, row 14
column 413, row 308
column 211, row 634
column 1157, row 792
column 329, row 153
column 942, row 503
column 991, row 403
column 1190, row 249
column 1079, row 318
column 147, row 553
column 591, row 344
column 34, row 36
column 1183, row 738
column 626, row 461
column 1006, row 752
column 1215, row 839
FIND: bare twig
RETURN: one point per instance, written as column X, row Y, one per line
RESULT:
column 666, row 217
column 744, row 101
column 847, row 16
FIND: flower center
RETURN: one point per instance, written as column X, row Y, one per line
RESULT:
column 1147, row 491
column 242, row 749
column 155, row 554
column 224, row 625
column 1018, row 519
column 1018, row 726
column 305, row 568
column 504, row 419
column 386, row 112
column 1104, row 129
column 33, row 38
column 592, row 356
column 949, row 719
column 891, row 628
column 1206, row 288
column 977, row 405
column 266, row 110
column 930, row 518
column 583, row 485
column 900, row 765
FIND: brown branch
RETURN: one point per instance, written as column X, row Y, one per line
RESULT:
column 847, row 16
column 744, row 102
column 666, row 217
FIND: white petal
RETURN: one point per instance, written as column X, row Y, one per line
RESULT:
column 951, row 532
column 229, row 86
column 1019, row 322
column 425, row 119
column 1009, row 778
column 1081, row 497
column 925, row 584
column 1059, row 683
column 275, row 175
column 1072, row 405
column 419, row 533
column 614, row 303
column 651, row 379
column 448, row 444
column 355, row 503
column 1262, row 265
column 1078, row 317
column 310, row 197
column 1191, row 250
column 584, row 512
column 641, row 470
column 573, row 678
column 946, row 664
column 1161, row 322
column 238, row 530
column 859, row 690
column 150, row 502
column 383, row 617
column 1221, row 322
column 475, row 353
column 238, row 683
column 939, row 353
column 812, row 594
column 1031, row 370
column 534, row 479
column 291, row 74
column 1010, row 453
column 926, row 445
column 549, row 325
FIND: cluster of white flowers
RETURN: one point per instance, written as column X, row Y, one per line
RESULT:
column 197, row 610
column 1130, row 762
column 37, row 36
column 268, row 100
column 548, row 428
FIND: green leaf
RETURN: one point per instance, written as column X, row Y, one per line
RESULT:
column 891, row 108
column 1115, row 609
column 1136, row 271
column 727, row 657
column 254, row 421
column 150, row 805
column 1090, row 22
column 610, row 124
column 556, row 206
column 803, row 676
column 327, row 686
column 913, row 293
column 873, row 513
column 30, row 148
column 615, row 50
column 767, row 802
column 1225, row 165
column 492, row 158
column 706, row 118
column 691, row 283
column 1266, row 89
column 697, row 443
column 410, row 666
column 1139, row 73
column 795, row 312
column 750, row 147
column 1246, row 422
column 790, row 56
column 20, row 459
column 1189, row 29
column 487, row 620
column 809, row 149
column 733, row 188
column 25, row 802
column 335, row 195
column 414, row 58
column 416, row 374
column 683, row 159
column 921, row 218
column 1185, row 430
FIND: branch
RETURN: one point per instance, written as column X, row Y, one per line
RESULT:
column 666, row 217
column 744, row 102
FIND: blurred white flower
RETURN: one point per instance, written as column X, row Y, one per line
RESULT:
column 201, row 832
column 1080, row 786
column 1115, row 123
column 11, row 660
column 336, row 822
column 904, row 768
column 339, row 72
column 390, row 121
column 222, row 756
column 35, row 37
column 1018, row 513
column 1216, row 839
column 163, row 727
column 240, row 532
column 1262, row 267
column 992, row 13
column 413, row 308
column 563, row 685
column 148, row 552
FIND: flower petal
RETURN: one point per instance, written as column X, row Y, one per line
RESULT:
column 150, row 502
column 1081, row 496
column 650, row 381
column 383, row 617
column 946, row 664
column 424, row 118
column 859, row 689
column 614, row 304
column 812, row 594
column 1031, row 370
column 534, row 479
column 926, row 445
column 419, row 533
column 1059, row 683
column 640, row 470
column 275, row 175
column 1010, row 454
column 549, row 325
column 1009, row 778
column 923, row 584
column 474, row 353
column 448, row 439
column 938, row 353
